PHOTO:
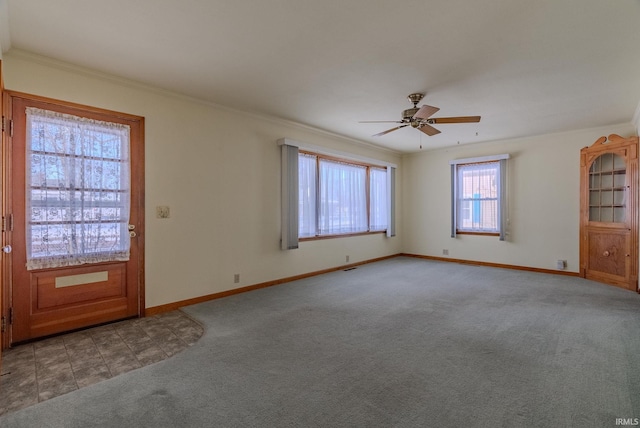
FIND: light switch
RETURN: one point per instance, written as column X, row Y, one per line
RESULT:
column 162, row 211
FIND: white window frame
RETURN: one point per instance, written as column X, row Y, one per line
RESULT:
column 456, row 200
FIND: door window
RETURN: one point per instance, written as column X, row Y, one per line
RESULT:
column 77, row 190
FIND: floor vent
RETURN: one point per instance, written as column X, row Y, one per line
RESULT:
column 353, row 268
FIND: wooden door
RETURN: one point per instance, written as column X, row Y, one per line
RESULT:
column 3, row 320
column 609, row 211
column 91, row 290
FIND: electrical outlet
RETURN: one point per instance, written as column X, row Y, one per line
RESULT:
column 561, row 264
column 162, row 211
column 347, row 259
column 445, row 252
column 236, row 278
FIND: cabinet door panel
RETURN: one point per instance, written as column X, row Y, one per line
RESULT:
column 609, row 253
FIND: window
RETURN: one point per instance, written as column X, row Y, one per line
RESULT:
column 338, row 197
column 378, row 195
column 478, row 196
column 326, row 195
column 307, row 222
column 77, row 190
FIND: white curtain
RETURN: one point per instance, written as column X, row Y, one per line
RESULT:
column 307, row 176
column 378, row 197
column 77, row 190
column 343, row 204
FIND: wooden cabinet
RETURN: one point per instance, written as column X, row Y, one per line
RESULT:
column 609, row 211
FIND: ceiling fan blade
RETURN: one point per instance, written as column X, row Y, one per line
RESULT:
column 428, row 129
column 458, row 119
column 389, row 130
column 425, row 112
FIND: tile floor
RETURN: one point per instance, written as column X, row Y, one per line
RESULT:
column 44, row 369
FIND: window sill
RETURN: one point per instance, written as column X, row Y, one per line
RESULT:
column 342, row 235
column 468, row 232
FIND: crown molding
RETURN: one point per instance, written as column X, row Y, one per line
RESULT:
column 73, row 68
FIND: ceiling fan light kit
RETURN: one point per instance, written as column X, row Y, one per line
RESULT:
column 420, row 118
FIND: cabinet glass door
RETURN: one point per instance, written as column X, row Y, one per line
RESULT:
column 607, row 189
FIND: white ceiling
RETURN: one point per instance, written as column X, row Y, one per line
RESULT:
column 527, row 67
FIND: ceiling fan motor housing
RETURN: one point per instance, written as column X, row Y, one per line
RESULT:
column 408, row 113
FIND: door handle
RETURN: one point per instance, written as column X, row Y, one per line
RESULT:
column 7, row 249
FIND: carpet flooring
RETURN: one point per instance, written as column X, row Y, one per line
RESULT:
column 399, row 343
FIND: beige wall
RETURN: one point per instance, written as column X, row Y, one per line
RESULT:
column 543, row 201
column 219, row 172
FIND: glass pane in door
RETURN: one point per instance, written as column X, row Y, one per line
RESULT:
column 607, row 189
column 77, row 190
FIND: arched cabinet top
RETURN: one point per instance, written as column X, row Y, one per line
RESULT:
column 627, row 147
column 611, row 141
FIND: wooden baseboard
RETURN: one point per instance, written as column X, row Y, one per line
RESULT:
column 489, row 264
column 176, row 305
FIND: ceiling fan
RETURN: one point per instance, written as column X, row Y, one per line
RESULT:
column 420, row 118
